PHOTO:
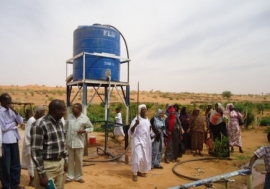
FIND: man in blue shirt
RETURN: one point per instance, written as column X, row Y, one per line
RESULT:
column 10, row 164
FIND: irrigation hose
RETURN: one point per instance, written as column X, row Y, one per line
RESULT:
column 112, row 159
column 192, row 178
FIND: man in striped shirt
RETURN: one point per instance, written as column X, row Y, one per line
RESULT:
column 48, row 148
column 263, row 152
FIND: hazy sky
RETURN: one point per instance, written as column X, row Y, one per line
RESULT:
column 174, row 46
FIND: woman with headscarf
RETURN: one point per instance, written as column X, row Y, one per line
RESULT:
column 197, row 130
column 141, row 145
column 184, row 118
column 174, row 132
column 218, row 125
column 233, row 128
column 158, row 125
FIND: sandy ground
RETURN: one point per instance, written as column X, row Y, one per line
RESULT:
column 118, row 174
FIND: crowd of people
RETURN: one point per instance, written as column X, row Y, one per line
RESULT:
column 53, row 147
column 177, row 131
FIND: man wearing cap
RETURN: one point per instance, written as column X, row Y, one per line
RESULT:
column 141, row 151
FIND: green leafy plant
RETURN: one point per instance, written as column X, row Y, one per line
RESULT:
column 221, row 147
column 265, row 121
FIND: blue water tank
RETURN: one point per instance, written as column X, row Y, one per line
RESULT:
column 96, row 39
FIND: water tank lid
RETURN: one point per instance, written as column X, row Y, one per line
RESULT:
column 83, row 26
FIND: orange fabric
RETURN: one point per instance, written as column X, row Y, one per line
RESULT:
column 215, row 118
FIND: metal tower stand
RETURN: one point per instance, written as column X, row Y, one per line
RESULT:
column 108, row 85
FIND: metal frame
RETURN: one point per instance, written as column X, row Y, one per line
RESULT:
column 208, row 181
column 84, row 83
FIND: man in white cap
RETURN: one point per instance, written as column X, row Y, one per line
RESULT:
column 139, row 132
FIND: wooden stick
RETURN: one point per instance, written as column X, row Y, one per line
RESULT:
column 138, row 95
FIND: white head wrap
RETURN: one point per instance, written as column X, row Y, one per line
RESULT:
column 140, row 108
column 220, row 106
column 227, row 107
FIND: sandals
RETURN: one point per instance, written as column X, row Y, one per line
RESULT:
column 80, row 181
column 158, row 167
column 141, row 174
column 20, row 187
column 135, row 178
column 68, row 181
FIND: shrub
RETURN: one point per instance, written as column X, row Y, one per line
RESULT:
column 227, row 94
column 221, row 147
column 50, row 98
column 265, row 121
column 267, row 129
column 249, row 117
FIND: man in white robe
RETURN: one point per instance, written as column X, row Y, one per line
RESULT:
column 26, row 153
column 141, row 149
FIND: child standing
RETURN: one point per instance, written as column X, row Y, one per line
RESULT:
column 118, row 129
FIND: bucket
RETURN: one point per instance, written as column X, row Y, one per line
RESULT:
column 92, row 140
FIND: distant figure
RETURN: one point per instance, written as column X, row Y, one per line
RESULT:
column 263, row 152
column 48, row 147
column 158, row 125
column 26, row 155
column 177, row 110
column 184, row 118
column 207, row 114
column 10, row 161
column 77, row 124
column 197, row 130
column 118, row 130
column 168, row 106
column 141, row 146
column 174, row 132
column 233, row 128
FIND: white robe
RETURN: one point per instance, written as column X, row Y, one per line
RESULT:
column 141, row 149
column 118, row 131
column 26, row 153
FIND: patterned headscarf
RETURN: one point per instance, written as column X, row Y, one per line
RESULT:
column 158, row 112
column 228, row 107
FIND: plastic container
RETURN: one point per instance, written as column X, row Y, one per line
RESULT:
column 96, row 39
column 92, row 140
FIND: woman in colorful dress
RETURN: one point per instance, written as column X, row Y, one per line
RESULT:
column 174, row 132
column 233, row 128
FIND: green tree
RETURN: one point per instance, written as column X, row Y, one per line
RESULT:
column 227, row 94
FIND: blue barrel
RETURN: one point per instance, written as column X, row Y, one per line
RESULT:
column 96, row 39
